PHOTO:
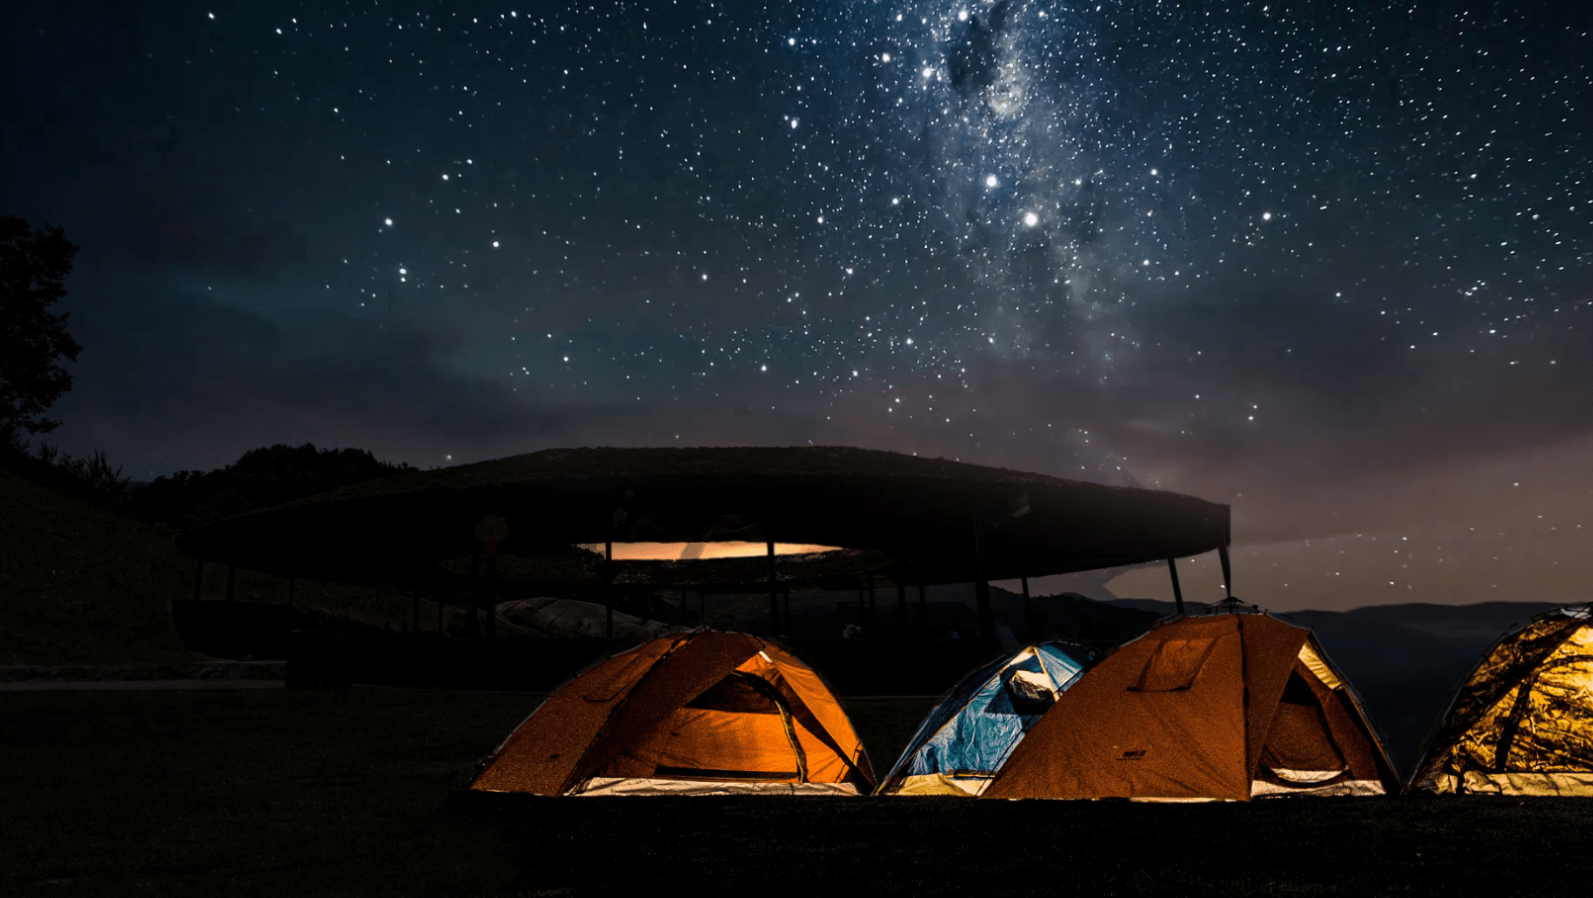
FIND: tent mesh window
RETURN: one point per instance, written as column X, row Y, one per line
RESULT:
column 744, row 693
column 1300, row 747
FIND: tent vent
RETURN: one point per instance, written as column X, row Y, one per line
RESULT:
column 1174, row 665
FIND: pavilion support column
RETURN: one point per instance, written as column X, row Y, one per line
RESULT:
column 774, row 595
column 608, row 587
column 1178, row 594
column 199, row 579
column 226, row 611
column 987, row 619
column 473, row 618
column 1028, row 611
column 492, row 594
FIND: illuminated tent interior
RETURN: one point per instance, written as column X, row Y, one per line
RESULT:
column 698, row 713
column 1230, row 705
column 1522, row 722
column 966, row 738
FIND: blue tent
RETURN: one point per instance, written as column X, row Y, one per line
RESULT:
column 964, row 741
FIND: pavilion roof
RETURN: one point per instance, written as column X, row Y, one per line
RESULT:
column 910, row 519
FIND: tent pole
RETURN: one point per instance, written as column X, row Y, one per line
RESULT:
column 199, row 578
column 774, row 598
column 987, row 620
column 1227, row 576
column 1178, row 594
column 608, row 586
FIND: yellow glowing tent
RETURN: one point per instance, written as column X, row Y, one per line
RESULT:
column 1522, row 723
column 698, row 713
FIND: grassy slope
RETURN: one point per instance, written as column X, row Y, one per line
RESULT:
column 80, row 585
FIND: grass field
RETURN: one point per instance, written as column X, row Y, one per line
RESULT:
column 348, row 793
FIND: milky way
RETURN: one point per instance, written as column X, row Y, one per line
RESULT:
column 1304, row 251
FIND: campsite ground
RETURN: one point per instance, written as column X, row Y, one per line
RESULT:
column 348, row 793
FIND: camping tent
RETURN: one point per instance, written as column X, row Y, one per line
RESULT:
column 963, row 742
column 1522, row 722
column 698, row 713
column 1230, row 705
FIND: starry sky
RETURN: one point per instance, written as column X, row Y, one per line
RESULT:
column 1329, row 262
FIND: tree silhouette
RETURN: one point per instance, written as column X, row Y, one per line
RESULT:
column 33, row 262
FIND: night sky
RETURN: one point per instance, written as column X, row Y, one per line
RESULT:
column 1331, row 263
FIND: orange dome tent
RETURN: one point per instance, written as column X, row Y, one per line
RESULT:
column 698, row 713
column 1219, row 706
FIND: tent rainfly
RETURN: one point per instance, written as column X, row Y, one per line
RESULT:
column 699, row 713
column 1223, row 706
column 963, row 742
column 1522, row 722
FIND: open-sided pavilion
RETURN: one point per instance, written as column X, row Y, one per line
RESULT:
column 593, row 522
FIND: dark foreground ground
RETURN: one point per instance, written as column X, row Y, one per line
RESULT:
column 348, row 793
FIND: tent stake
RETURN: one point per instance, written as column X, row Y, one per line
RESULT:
column 1178, row 594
